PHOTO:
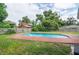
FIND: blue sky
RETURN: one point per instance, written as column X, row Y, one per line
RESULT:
column 17, row 10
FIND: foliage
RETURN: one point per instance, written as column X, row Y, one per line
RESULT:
column 3, row 13
column 34, row 29
column 11, row 24
column 39, row 17
column 40, row 27
column 70, row 21
column 25, row 19
column 52, row 25
column 33, row 23
column 7, row 24
column 49, row 21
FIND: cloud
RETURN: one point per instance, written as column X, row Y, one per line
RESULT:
column 17, row 10
column 66, row 9
column 45, row 6
column 64, row 5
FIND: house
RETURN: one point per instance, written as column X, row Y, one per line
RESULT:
column 24, row 27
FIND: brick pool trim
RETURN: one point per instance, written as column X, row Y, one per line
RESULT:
column 71, row 40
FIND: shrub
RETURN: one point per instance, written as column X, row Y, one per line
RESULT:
column 34, row 29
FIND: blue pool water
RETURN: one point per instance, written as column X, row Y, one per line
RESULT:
column 46, row 35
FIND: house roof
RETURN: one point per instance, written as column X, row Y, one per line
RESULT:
column 24, row 25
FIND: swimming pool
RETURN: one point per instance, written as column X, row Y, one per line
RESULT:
column 46, row 35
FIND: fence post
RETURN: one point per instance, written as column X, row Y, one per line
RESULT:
column 72, row 49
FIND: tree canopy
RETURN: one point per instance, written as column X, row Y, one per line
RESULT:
column 49, row 21
column 25, row 19
column 70, row 21
column 3, row 12
column 7, row 24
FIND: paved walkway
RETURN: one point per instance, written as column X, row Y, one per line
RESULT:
column 71, row 40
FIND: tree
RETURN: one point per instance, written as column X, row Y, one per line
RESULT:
column 40, row 27
column 49, row 21
column 10, row 23
column 70, row 21
column 34, row 28
column 3, row 13
column 39, row 18
column 33, row 23
column 7, row 24
column 50, row 25
column 25, row 19
column 49, row 15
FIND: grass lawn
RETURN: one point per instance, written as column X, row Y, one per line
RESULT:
column 26, row 47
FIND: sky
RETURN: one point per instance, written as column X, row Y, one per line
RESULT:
column 17, row 10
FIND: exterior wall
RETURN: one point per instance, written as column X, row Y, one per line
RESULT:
column 23, row 30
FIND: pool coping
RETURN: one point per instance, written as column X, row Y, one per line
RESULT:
column 71, row 40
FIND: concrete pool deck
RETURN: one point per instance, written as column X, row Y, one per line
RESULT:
column 71, row 40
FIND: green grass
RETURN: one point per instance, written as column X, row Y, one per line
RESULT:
column 26, row 47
